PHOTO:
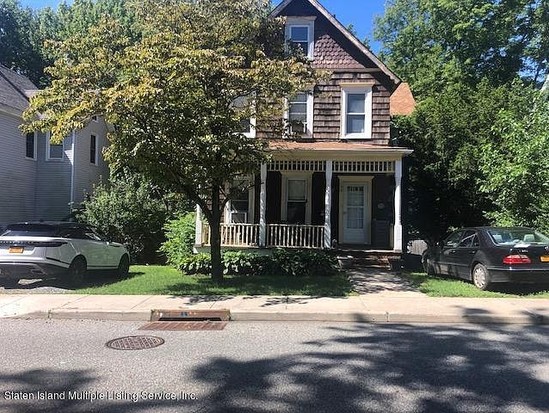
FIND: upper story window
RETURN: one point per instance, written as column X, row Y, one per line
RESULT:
column 247, row 124
column 356, row 111
column 30, row 146
column 54, row 151
column 93, row 149
column 300, row 32
column 299, row 114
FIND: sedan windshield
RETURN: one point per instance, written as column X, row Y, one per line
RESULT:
column 513, row 236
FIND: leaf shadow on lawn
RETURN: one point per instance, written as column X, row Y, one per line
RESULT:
column 231, row 286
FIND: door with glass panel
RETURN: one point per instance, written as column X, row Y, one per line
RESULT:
column 355, row 216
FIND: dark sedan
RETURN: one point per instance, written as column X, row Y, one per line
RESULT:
column 488, row 255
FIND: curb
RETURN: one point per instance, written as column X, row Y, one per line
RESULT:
column 236, row 315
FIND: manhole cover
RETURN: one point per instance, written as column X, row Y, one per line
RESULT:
column 135, row 343
column 184, row 325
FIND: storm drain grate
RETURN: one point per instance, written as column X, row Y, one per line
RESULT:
column 135, row 343
column 184, row 325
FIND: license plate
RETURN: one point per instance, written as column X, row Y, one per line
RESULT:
column 16, row 250
column 545, row 258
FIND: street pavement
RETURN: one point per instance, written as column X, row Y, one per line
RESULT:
column 382, row 297
column 64, row 366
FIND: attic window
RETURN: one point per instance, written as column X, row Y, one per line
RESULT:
column 300, row 32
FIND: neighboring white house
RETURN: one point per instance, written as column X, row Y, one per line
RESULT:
column 40, row 180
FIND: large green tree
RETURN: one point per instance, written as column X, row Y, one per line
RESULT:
column 20, row 40
column 461, row 59
column 171, row 91
column 433, row 42
column 516, row 163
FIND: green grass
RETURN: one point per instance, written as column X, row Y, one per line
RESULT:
column 448, row 287
column 168, row 281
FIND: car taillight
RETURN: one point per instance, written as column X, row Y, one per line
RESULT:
column 517, row 259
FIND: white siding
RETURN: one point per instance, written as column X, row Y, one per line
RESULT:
column 17, row 183
column 53, row 182
column 87, row 174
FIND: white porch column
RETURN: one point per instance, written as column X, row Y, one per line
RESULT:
column 263, row 207
column 328, row 207
column 198, row 227
column 397, row 235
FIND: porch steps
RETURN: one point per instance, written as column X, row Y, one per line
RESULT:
column 369, row 258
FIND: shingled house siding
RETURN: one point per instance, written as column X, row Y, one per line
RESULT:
column 327, row 108
column 336, row 54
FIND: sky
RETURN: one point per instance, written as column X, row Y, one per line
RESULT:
column 359, row 13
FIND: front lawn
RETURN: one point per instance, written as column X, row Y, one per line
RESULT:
column 168, row 281
column 450, row 287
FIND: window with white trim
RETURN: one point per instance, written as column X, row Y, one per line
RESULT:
column 356, row 111
column 30, row 146
column 54, row 151
column 296, row 195
column 296, row 207
column 247, row 123
column 299, row 114
column 300, row 33
column 240, row 207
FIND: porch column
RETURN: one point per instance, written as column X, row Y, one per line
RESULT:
column 328, row 207
column 263, row 207
column 198, row 227
column 397, row 235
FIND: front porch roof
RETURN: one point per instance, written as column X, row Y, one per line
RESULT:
column 336, row 148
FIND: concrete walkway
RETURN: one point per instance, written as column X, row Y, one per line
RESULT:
column 384, row 298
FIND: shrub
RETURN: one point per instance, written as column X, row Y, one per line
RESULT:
column 132, row 211
column 303, row 263
column 245, row 263
column 293, row 263
column 196, row 264
column 179, row 239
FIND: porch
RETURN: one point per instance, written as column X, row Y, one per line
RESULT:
column 295, row 202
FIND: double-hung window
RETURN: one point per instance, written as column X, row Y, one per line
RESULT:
column 356, row 113
column 247, row 120
column 296, row 206
column 300, row 34
column 299, row 114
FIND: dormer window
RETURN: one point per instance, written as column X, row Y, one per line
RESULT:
column 300, row 33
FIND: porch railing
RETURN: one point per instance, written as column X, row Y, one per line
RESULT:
column 236, row 235
column 278, row 235
column 302, row 236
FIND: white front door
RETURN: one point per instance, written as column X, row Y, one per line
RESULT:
column 355, row 225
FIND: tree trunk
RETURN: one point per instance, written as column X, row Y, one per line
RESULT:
column 215, row 240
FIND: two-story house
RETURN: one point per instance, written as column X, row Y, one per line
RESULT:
column 338, row 180
column 40, row 180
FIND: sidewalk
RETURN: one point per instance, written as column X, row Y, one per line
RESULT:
column 384, row 297
column 395, row 307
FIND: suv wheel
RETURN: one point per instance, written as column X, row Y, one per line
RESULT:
column 77, row 271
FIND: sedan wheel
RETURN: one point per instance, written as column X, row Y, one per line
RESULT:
column 77, row 271
column 481, row 277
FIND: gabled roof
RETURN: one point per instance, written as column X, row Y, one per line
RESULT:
column 402, row 101
column 357, row 43
column 15, row 89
